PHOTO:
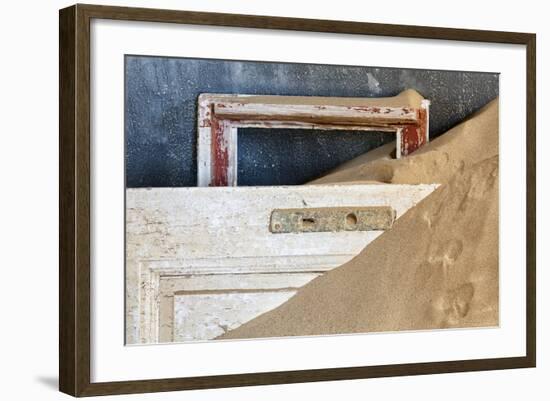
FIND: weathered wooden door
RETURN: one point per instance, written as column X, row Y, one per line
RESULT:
column 201, row 261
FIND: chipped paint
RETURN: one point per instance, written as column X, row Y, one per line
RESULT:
column 221, row 115
column 220, row 157
column 184, row 241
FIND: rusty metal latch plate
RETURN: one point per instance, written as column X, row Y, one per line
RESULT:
column 331, row 219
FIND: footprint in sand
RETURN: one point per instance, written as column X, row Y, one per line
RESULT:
column 425, row 274
column 452, row 250
column 427, row 217
column 437, row 211
column 453, row 304
column 478, row 189
column 446, row 253
column 458, row 301
column 459, row 166
column 440, row 259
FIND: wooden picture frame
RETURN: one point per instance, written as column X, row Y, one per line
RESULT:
column 74, row 200
column 219, row 117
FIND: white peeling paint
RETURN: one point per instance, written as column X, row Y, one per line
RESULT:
column 174, row 234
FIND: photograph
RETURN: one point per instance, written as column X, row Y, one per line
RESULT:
column 272, row 201
column 276, row 199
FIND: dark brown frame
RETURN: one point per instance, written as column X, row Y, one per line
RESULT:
column 74, row 199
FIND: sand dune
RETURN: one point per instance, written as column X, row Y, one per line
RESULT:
column 436, row 268
column 466, row 144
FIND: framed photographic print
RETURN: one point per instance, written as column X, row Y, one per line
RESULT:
column 250, row 200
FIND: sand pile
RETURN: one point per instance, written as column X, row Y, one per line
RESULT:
column 468, row 143
column 436, row 268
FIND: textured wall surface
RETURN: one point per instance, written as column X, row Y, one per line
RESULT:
column 161, row 97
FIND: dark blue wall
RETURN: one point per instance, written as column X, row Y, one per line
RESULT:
column 161, row 96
